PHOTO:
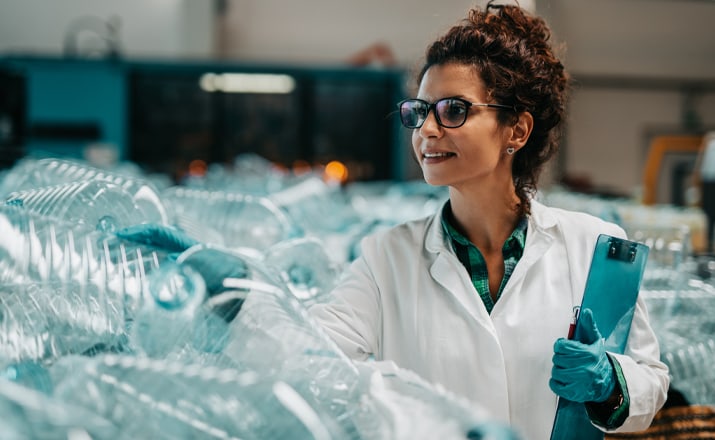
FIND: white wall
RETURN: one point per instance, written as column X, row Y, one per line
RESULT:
column 662, row 42
column 149, row 28
column 328, row 31
column 655, row 38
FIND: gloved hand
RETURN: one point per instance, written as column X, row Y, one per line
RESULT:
column 582, row 371
column 167, row 238
column 214, row 266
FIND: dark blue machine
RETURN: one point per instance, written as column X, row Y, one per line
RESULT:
column 162, row 115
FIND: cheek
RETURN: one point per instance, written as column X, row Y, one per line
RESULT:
column 416, row 141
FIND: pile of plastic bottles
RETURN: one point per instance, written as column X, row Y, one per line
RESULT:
column 107, row 338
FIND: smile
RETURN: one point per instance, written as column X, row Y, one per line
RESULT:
column 436, row 155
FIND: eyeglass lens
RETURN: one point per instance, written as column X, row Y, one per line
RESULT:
column 450, row 112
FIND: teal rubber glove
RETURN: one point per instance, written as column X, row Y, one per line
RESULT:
column 582, row 371
column 215, row 266
column 163, row 237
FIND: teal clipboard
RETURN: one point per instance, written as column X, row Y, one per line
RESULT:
column 612, row 287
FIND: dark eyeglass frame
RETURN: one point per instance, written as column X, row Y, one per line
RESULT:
column 433, row 106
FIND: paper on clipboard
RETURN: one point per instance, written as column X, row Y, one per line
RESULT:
column 611, row 292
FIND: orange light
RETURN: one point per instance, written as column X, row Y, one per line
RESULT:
column 336, row 172
column 197, row 167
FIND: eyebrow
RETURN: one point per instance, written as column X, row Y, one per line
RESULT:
column 445, row 97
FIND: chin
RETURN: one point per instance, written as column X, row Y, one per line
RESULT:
column 436, row 180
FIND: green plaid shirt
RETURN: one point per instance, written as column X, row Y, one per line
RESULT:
column 473, row 260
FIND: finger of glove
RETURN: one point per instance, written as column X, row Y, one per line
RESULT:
column 139, row 233
column 595, row 380
column 570, row 354
column 589, row 329
column 571, row 391
column 215, row 266
column 578, row 375
column 172, row 240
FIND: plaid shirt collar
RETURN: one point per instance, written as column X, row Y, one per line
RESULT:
column 472, row 259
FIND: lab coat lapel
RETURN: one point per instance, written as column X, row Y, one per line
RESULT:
column 538, row 242
column 539, row 238
column 447, row 271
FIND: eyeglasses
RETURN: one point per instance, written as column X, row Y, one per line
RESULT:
column 449, row 112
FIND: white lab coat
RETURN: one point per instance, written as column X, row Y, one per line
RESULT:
column 408, row 299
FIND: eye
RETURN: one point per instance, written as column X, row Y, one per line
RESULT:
column 455, row 108
column 421, row 110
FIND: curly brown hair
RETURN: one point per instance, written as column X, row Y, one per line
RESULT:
column 512, row 54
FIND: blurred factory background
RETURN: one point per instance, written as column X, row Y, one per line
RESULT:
column 155, row 82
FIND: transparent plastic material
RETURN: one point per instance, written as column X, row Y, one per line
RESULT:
column 64, row 290
column 32, row 174
column 107, row 339
column 91, row 204
column 35, row 248
column 30, row 414
column 172, row 314
column 669, row 246
column 274, row 335
column 684, row 321
column 32, row 246
column 30, row 374
column 249, row 174
column 691, row 368
column 242, row 220
column 305, row 266
column 414, row 408
column 161, row 399
column 315, row 207
column 44, row 321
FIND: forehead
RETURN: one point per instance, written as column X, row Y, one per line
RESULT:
column 453, row 79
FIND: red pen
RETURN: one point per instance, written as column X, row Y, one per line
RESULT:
column 574, row 320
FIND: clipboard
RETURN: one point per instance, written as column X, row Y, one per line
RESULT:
column 612, row 287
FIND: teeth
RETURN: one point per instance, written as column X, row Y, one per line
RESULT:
column 433, row 155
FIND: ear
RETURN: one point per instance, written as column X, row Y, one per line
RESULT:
column 521, row 130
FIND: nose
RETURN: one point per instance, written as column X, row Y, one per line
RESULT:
column 430, row 127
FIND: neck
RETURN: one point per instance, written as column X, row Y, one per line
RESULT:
column 485, row 217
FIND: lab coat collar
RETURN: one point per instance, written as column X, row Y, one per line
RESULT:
column 539, row 237
column 541, row 219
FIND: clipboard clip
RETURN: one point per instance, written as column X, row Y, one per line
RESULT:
column 622, row 250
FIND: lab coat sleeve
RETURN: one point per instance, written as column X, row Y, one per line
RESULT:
column 352, row 315
column 646, row 376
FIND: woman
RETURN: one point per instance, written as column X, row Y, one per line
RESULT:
column 479, row 296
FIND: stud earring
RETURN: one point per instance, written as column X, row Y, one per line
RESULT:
column 510, row 151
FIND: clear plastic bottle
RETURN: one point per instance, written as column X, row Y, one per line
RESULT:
column 31, row 173
column 315, row 206
column 274, row 334
column 45, row 321
column 160, row 399
column 91, row 204
column 691, row 369
column 170, row 312
column 30, row 414
column 244, row 221
column 37, row 248
column 305, row 267
column 30, row 374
